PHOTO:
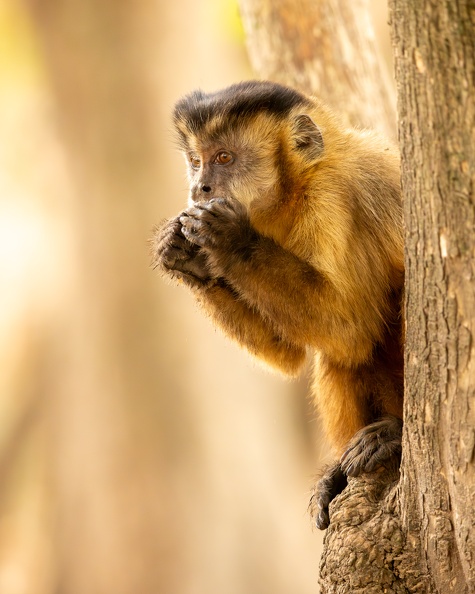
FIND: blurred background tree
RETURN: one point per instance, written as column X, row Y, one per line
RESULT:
column 139, row 450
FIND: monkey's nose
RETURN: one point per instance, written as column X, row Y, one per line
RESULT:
column 201, row 192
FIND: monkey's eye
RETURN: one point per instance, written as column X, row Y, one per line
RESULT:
column 223, row 158
column 195, row 161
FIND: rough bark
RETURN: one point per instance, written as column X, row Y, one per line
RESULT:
column 365, row 547
column 312, row 45
column 435, row 68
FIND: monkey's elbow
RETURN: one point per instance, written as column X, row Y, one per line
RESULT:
column 286, row 359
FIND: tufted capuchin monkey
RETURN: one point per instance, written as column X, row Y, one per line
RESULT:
column 293, row 243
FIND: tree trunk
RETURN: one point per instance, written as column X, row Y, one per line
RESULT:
column 435, row 69
column 312, row 46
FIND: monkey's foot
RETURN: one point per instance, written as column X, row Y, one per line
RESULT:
column 328, row 487
column 378, row 444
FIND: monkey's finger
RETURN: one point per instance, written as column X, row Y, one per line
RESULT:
column 373, row 446
column 171, row 256
column 224, row 207
column 323, row 519
column 368, row 439
column 370, row 456
column 354, row 460
column 167, row 254
column 387, row 451
column 180, row 242
column 176, row 239
column 202, row 213
column 196, row 231
column 164, row 231
column 218, row 208
column 197, row 267
column 356, row 446
column 193, row 225
column 171, row 246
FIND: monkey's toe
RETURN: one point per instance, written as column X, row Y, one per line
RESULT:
column 373, row 446
column 328, row 487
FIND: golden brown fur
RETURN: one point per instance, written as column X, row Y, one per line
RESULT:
column 296, row 246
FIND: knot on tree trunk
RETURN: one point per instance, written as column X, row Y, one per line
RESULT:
column 365, row 549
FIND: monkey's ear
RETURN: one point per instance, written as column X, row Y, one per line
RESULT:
column 307, row 137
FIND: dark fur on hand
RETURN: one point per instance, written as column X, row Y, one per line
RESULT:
column 222, row 229
column 175, row 255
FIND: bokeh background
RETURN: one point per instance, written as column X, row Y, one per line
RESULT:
column 140, row 451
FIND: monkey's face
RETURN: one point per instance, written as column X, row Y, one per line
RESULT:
column 235, row 163
column 249, row 142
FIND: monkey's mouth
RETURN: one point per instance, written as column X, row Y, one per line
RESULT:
column 198, row 199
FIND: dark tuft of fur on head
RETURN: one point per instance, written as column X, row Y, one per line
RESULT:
column 239, row 101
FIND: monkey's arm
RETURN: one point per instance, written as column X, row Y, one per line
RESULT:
column 300, row 303
column 179, row 258
column 248, row 328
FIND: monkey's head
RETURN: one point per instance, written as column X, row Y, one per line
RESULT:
column 248, row 141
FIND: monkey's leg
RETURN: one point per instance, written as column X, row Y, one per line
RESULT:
column 375, row 445
column 341, row 395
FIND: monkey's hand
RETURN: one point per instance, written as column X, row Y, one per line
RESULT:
column 221, row 228
column 173, row 254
